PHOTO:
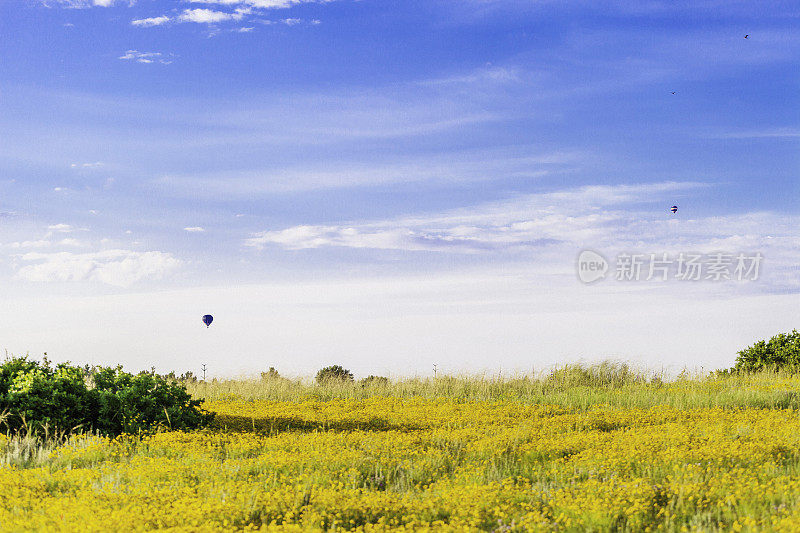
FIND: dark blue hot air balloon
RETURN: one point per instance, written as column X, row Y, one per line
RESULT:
column 674, row 209
column 207, row 320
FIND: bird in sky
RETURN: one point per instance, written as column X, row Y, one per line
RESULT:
column 746, row 36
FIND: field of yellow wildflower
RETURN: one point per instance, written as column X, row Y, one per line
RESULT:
column 577, row 451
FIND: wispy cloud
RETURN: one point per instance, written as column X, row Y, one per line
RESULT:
column 40, row 243
column 489, row 73
column 546, row 228
column 259, row 4
column 240, row 4
column 152, row 21
column 145, row 57
column 61, row 228
column 207, row 16
column 83, row 4
column 581, row 215
column 223, row 11
column 194, row 229
column 462, row 239
column 775, row 133
column 120, row 268
column 447, row 168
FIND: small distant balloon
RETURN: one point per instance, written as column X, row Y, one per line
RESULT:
column 207, row 320
column 674, row 209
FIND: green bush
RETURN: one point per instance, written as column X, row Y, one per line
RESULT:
column 781, row 352
column 270, row 374
column 334, row 373
column 32, row 393
column 374, row 380
column 36, row 394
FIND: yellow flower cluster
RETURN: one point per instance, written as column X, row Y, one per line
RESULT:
column 423, row 464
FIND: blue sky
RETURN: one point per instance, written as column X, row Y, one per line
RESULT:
column 305, row 167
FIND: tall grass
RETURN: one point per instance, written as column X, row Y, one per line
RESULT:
column 595, row 458
column 582, row 386
column 574, row 386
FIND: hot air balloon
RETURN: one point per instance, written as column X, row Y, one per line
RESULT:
column 207, row 319
column 674, row 209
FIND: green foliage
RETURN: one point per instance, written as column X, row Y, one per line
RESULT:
column 781, row 352
column 187, row 377
column 379, row 381
column 334, row 373
column 59, row 399
column 270, row 374
column 607, row 374
column 130, row 403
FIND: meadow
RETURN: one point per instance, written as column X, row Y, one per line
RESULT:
column 600, row 448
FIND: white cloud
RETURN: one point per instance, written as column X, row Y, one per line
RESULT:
column 455, row 167
column 212, row 16
column 79, row 4
column 486, row 75
column 72, row 242
column 61, row 228
column 207, row 16
column 533, row 220
column 459, row 239
column 120, row 268
column 242, row 8
column 145, row 57
column 258, row 4
column 548, row 227
column 152, row 21
column 591, row 215
column 194, row 229
column 41, row 243
column 96, row 164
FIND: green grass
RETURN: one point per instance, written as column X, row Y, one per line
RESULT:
column 581, row 386
column 616, row 448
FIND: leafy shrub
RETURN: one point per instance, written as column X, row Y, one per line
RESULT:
column 334, row 373
column 130, row 403
column 34, row 393
column 781, row 352
column 374, row 380
column 58, row 398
